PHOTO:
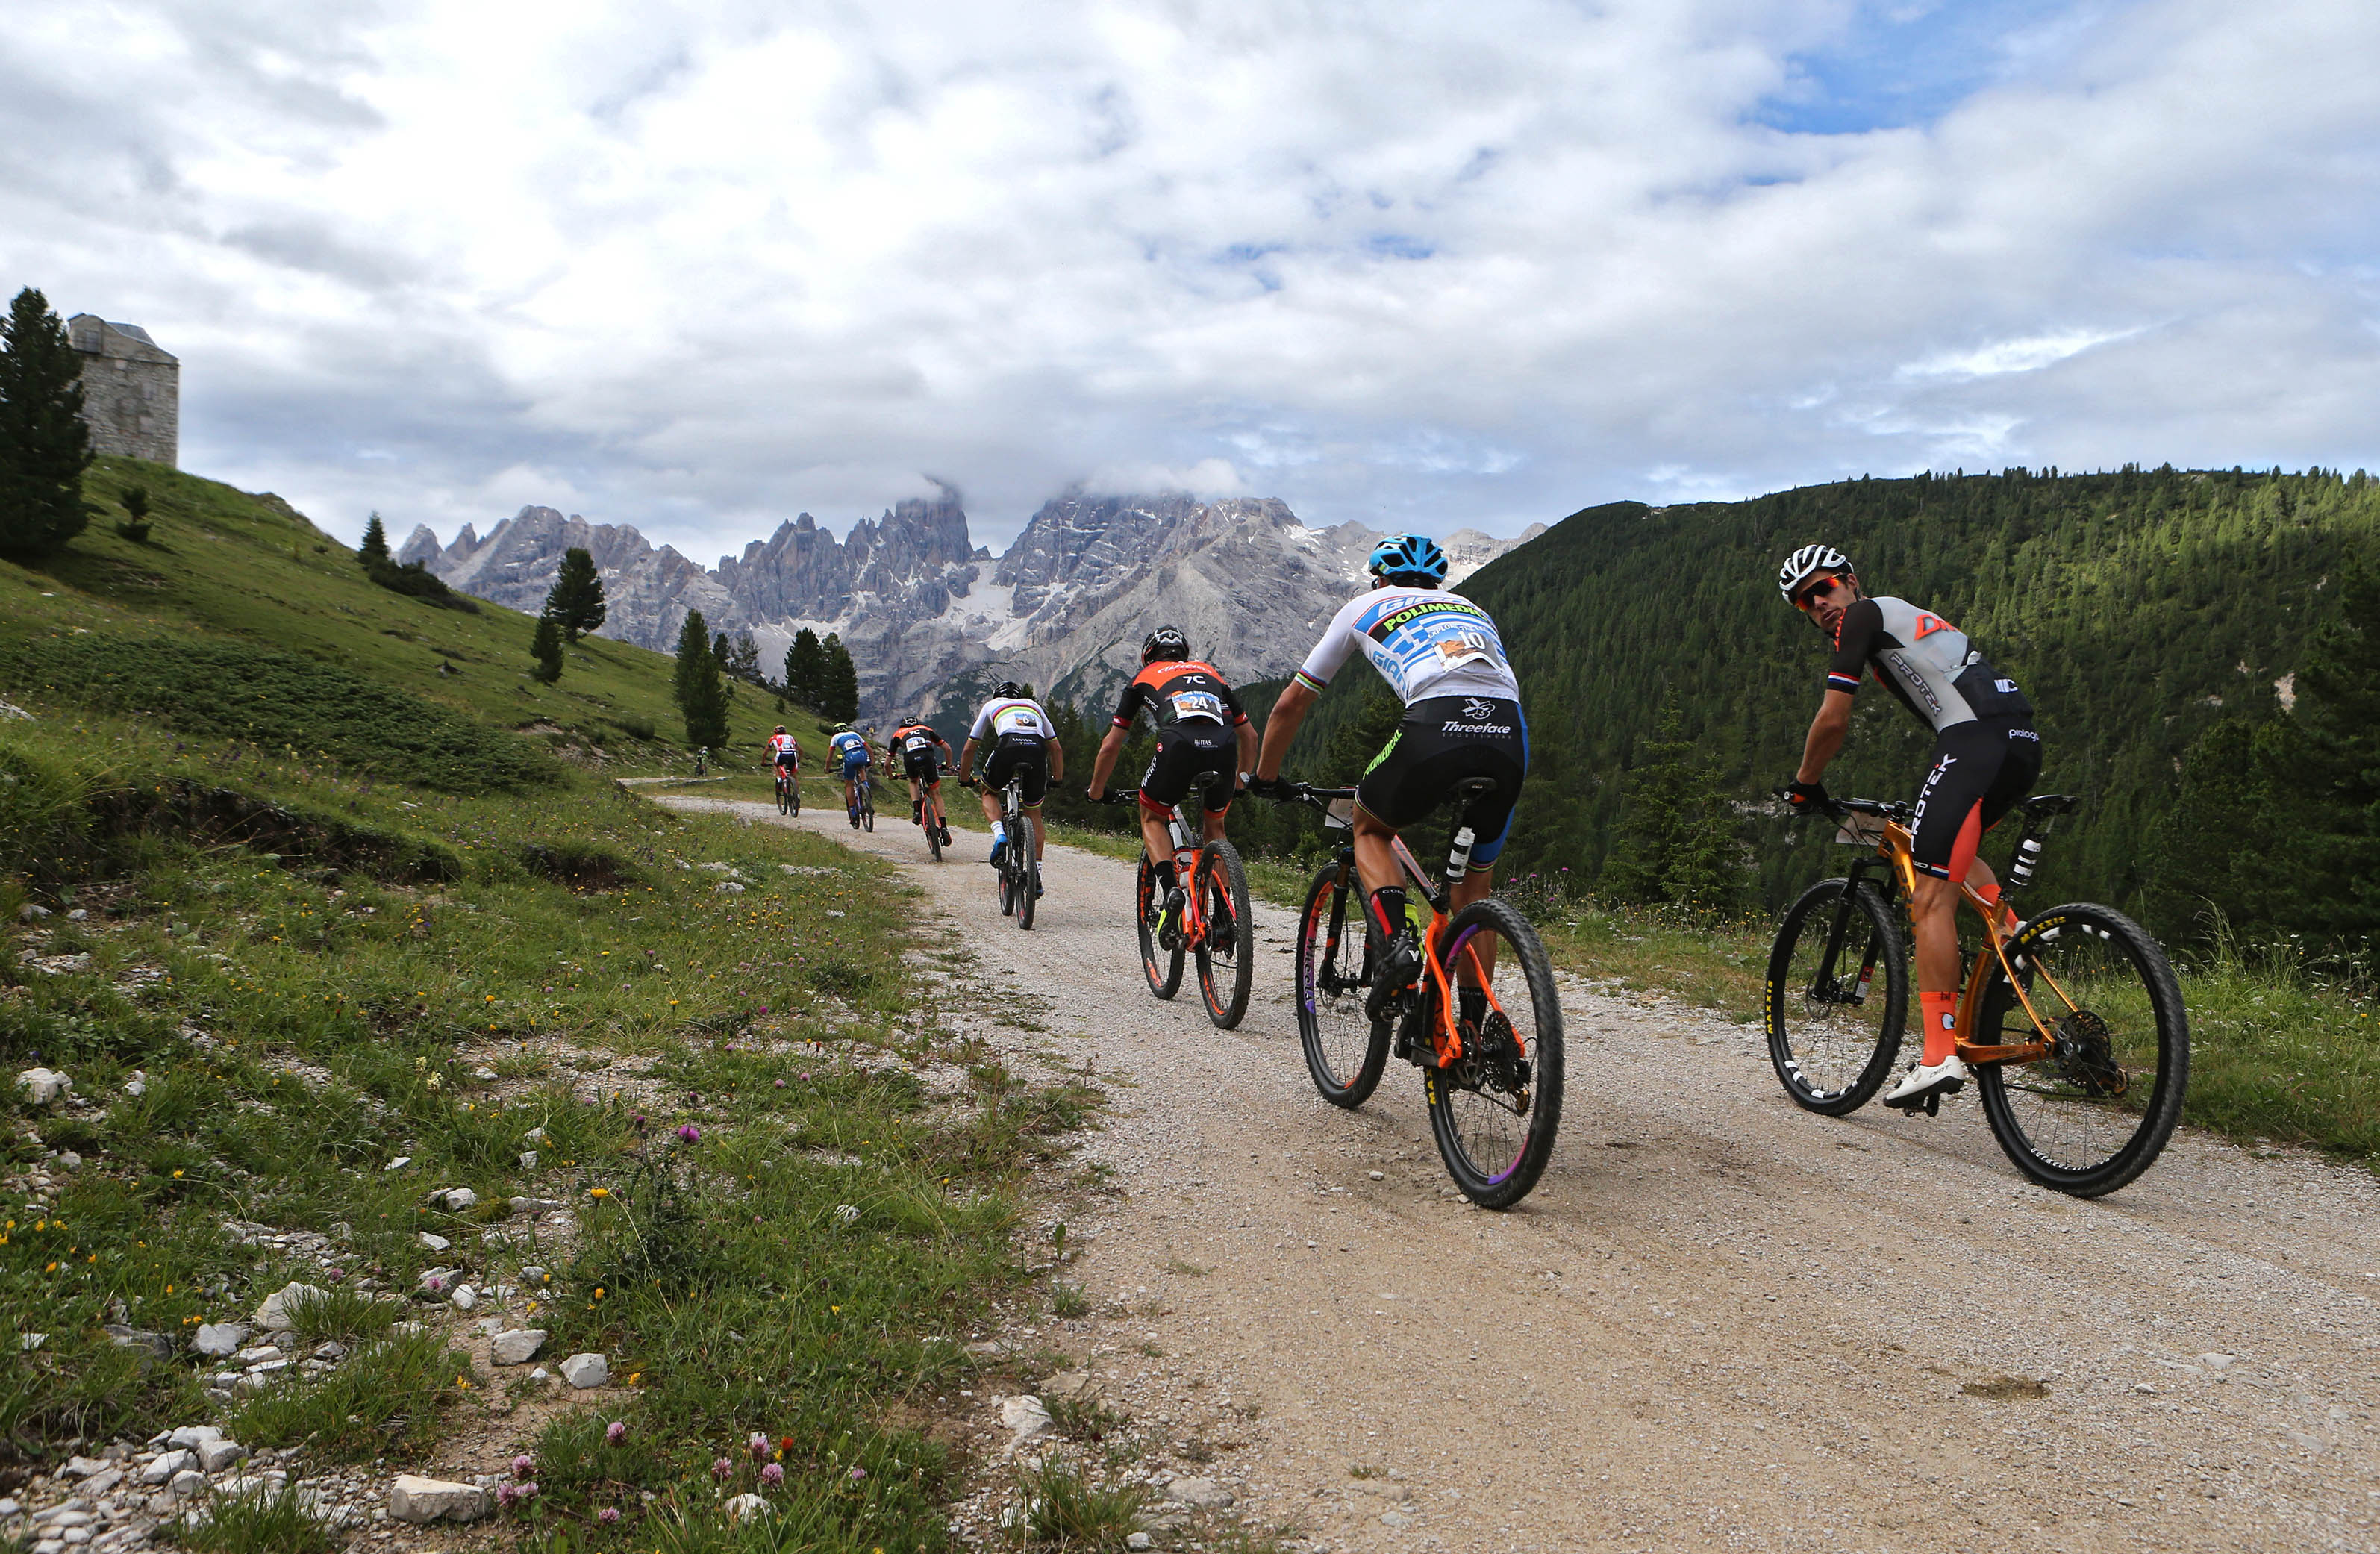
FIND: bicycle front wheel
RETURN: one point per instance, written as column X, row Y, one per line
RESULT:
column 1833, row 1030
column 1022, row 836
column 1226, row 955
column 1345, row 1051
column 1496, row 1109
column 1161, row 966
column 2096, row 1111
column 794, row 796
column 933, row 832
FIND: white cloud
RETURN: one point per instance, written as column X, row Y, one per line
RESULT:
column 699, row 267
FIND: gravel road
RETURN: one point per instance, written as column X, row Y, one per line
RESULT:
column 1720, row 1322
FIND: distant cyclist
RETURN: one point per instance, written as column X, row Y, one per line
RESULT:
column 785, row 755
column 1442, row 656
column 852, row 757
column 1986, row 756
column 922, row 754
column 1200, row 728
column 1023, row 740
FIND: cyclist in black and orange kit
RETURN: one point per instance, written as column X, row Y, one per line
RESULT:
column 1986, row 756
column 921, row 754
column 1199, row 728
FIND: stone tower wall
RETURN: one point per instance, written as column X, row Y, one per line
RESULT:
column 131, row 390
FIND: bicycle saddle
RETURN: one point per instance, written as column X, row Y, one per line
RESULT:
column 2050, row 804
column 1473, row 787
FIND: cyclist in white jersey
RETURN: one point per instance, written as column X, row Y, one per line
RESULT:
column 1441, row 654
column 849, row 752
column 1023, row 740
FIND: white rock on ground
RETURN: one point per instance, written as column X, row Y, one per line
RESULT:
column 166, row 1465
column 435, row 1242
column 216, row 1455
column 743, row 1506
column 42, row 1085
column 194, row 1435
column 457, row 1199
column 1025, row 1417
column 583, row 1371
column 281, row 1307
column 412, row 1498
column 1203, row 1492
column 517, row 1347
column 216, row 1340
column 464, row 1297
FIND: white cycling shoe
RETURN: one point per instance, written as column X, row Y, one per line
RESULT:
column 1946, row 1078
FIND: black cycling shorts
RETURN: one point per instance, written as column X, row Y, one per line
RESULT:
column 1980, row 769
column 924, row 766
column 1184, row 751
column 788, row 761
column 1019, row 753
column 1440, row 742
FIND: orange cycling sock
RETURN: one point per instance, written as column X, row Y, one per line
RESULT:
column 1940, row 1011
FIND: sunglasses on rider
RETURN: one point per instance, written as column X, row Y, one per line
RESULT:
column 1808, row 597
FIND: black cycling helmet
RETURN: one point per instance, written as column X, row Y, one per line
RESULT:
column 1166, row 643
column 1008, row 689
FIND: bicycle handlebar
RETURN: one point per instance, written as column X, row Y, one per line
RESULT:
column 1836, row 808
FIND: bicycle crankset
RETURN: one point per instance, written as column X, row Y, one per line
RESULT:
column 2086, row 1056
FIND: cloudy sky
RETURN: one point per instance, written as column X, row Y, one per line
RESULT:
column 697, row 267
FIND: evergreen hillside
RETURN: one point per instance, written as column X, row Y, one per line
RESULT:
column 2136, row 608
column 238, row 619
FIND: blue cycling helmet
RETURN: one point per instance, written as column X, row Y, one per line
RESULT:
column 1408, row 555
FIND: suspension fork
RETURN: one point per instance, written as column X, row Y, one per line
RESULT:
column 1824, row 975
column 1339, row 913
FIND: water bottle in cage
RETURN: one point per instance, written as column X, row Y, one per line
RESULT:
column 2028, row 858
column 1457, row 862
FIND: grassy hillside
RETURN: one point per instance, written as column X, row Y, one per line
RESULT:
column 226, row 567
column 2135, row 608
column 359, row 988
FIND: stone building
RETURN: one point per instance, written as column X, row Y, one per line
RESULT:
column 131, row 390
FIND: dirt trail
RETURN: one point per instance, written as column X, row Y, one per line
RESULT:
column 1720, row 1322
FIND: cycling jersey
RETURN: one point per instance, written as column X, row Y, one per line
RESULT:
column 1424, row 642
column 784, row 751
column 1006, row 716
column 1922, row 660
column 921, row 751
column 850, row 749
column 1179, row 691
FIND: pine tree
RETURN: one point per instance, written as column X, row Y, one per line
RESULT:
column 546, row 647
column 839, row 681
column 1676, row 844
column 575, row 601
column 135, row 525
column 2332, row 766
column 743, row 658
column 804, row 669
column 44, row 446
column 701, row 691
column 373, row 553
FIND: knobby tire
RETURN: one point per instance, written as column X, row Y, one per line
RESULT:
column 1163, row 968
column 1496, row 1139
column 1021, row 853
column 1832, row 1054
column 1345, row 1051
column 1227, row 955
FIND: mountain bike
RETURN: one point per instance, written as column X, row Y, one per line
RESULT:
column 1020, row 869
column 864, row 791
column 1483, row 1022
column 789, row 790
column 2072, row 1021
column 1216, row 927
column 930, row 817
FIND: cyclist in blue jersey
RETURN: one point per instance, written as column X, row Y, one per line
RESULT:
column 1441, row 655
column 848, row 750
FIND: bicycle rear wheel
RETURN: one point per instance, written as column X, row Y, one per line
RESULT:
column 1022, row 835
column 2098, row 1110
column 783, row 806
column 1161, row 966
column 1496, row 1108
column 925, row 818
column 867, row 806
column 1345, row 1051
column 795, row 798
column 1832, row 1036
column 1226, row 955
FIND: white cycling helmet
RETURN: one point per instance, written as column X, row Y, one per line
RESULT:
column 1806, row 564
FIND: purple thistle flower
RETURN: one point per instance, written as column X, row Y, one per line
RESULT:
column 780, row 1084
column 609, row 1515
column 507, row 1496
column 857, row 1473
column 688, row 1134
column 615, row 1432
column 757, row 1444
column 523, row 1466
column 721, row 1468
column 773, row 1474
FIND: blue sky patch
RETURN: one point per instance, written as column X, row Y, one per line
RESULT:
column 1910, row 62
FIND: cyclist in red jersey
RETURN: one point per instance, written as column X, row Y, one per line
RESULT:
column 1200, row 727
